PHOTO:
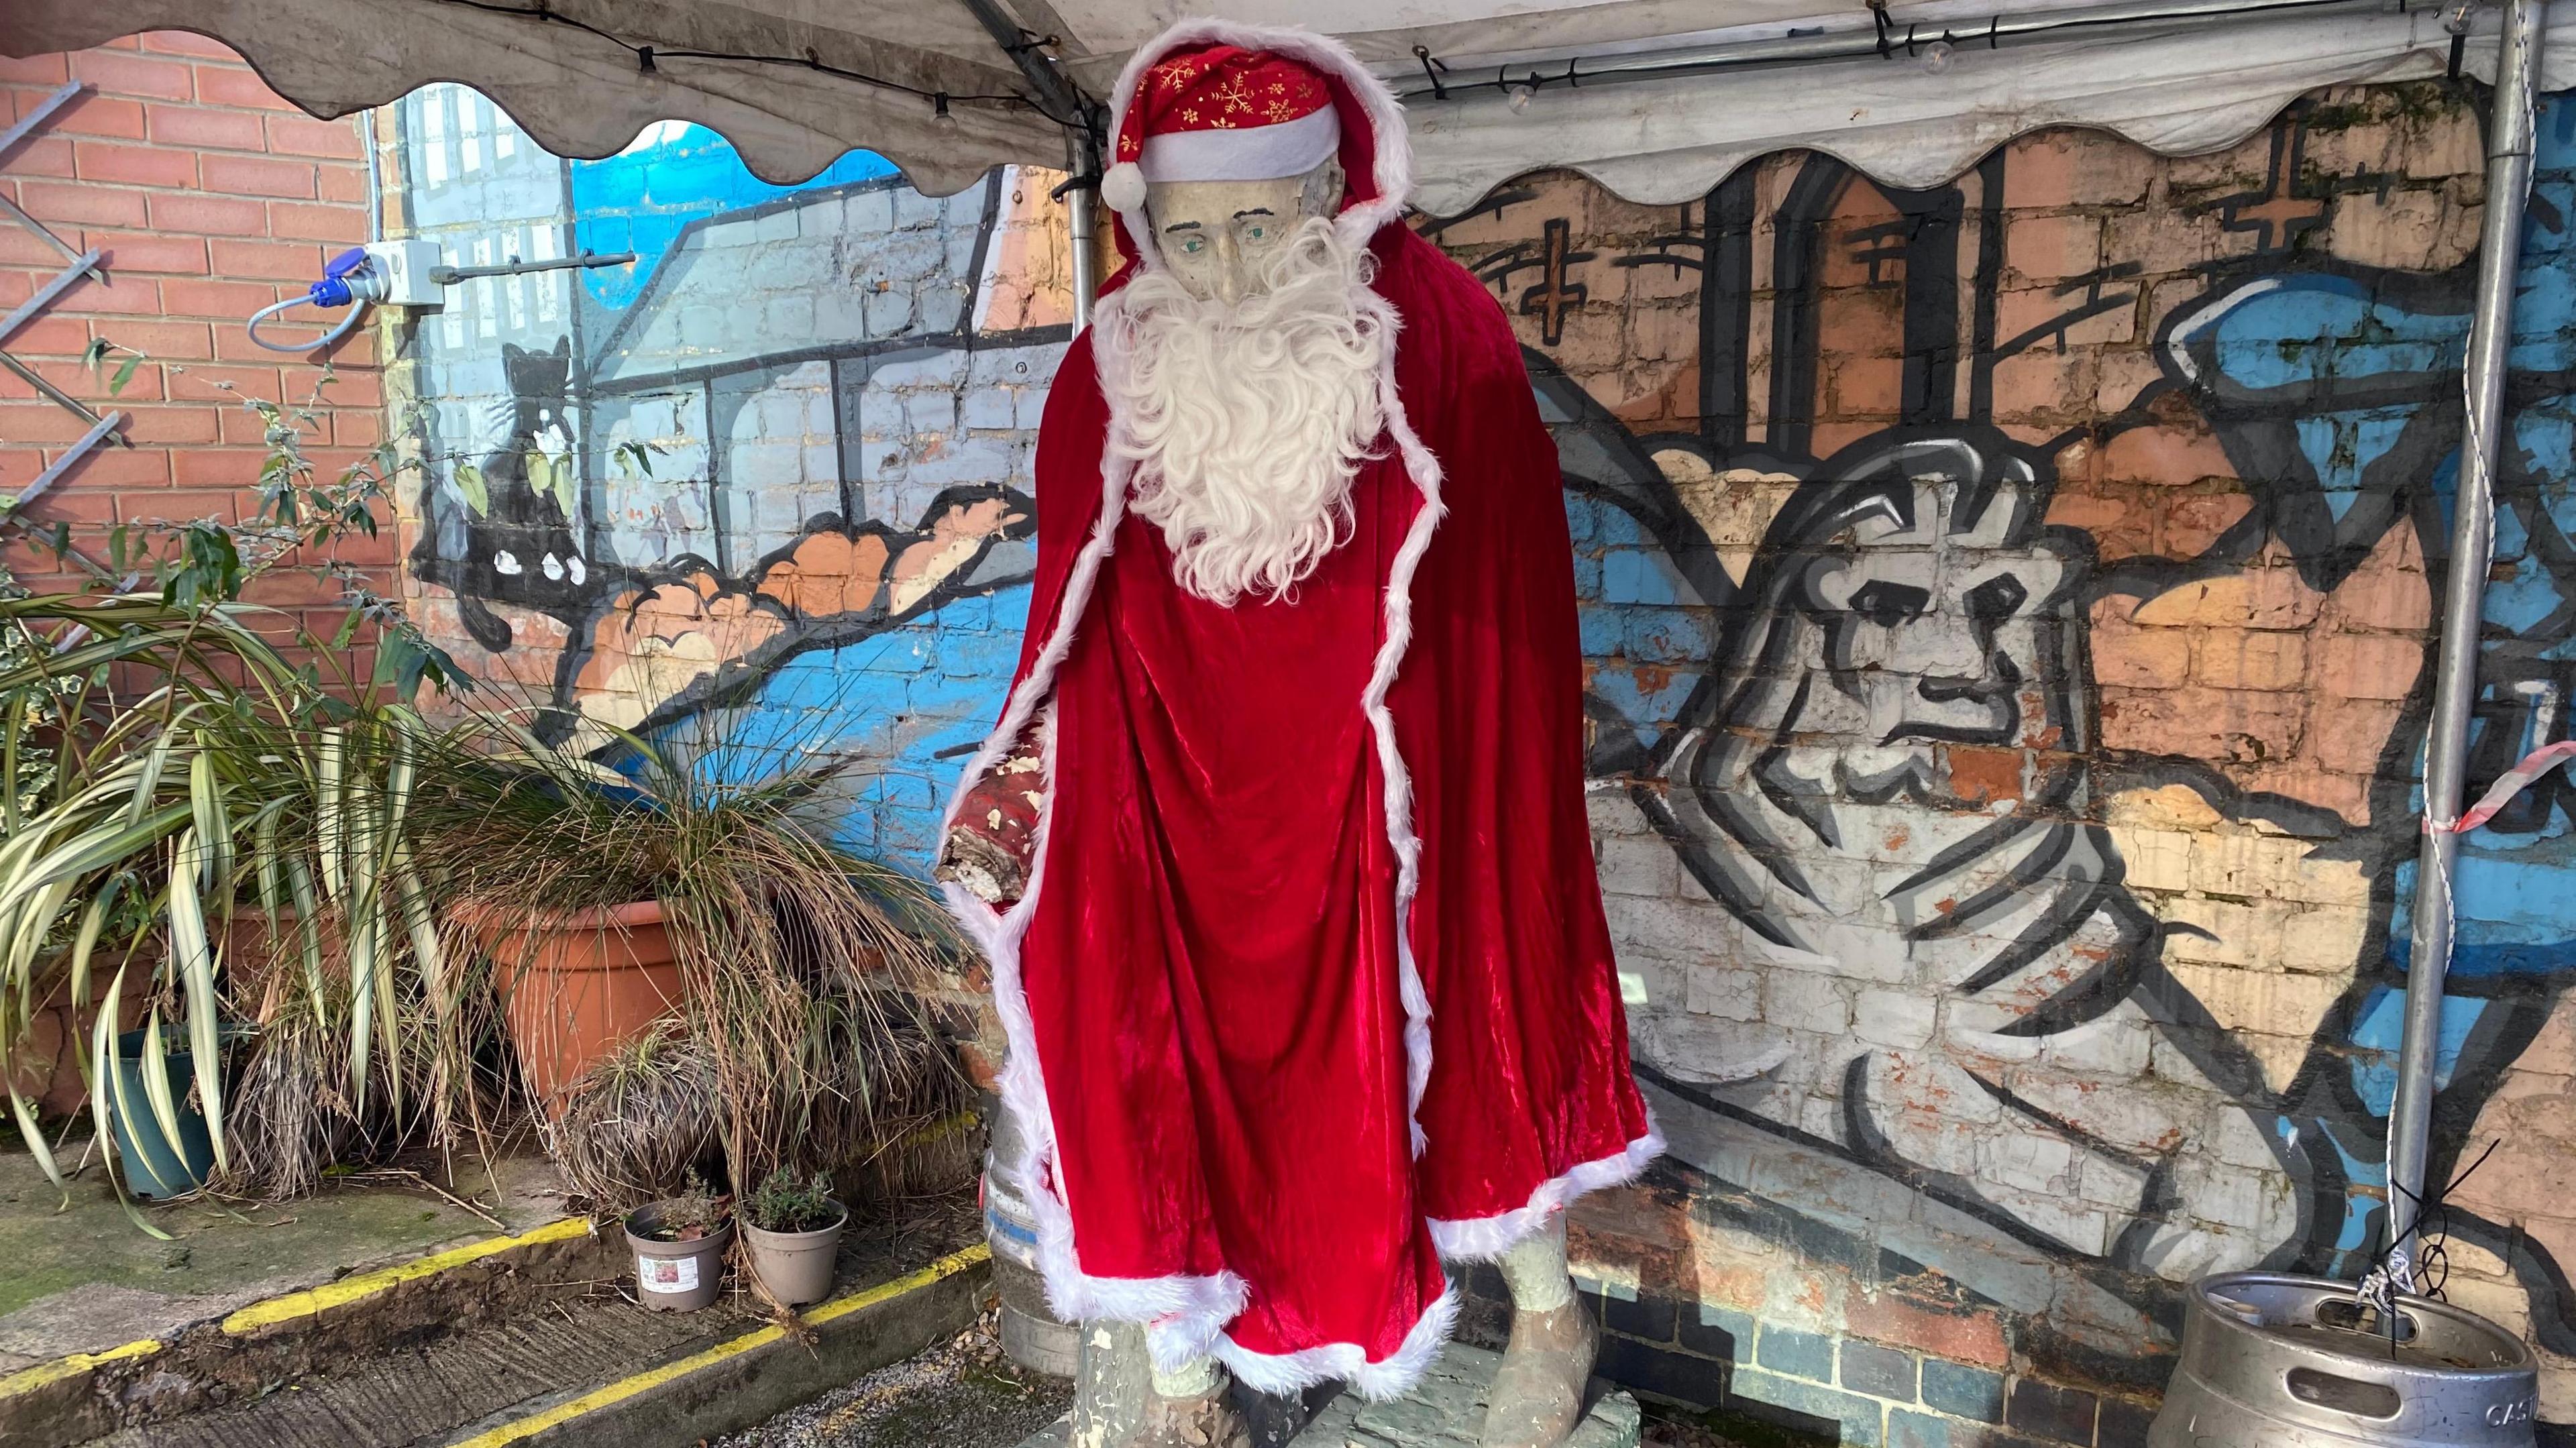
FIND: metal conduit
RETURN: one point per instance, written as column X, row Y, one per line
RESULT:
column 2455, row 682
column 1896, row 38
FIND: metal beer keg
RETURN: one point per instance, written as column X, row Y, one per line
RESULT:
column 1031, row 1334
column 2271, row 1360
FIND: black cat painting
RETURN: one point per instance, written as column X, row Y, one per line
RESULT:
column 513, row 530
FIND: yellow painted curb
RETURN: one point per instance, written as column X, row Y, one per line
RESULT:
column 651, row 1378
column 27, row 1380
column 366, row 1284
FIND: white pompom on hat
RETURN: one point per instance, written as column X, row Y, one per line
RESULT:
column 1221, row 113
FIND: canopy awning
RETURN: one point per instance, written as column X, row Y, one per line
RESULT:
column 1656, row 99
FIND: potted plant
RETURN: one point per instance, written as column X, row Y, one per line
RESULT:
column 679, row 1244
column 793, row 969
column 794, row 1228
column 201, row 753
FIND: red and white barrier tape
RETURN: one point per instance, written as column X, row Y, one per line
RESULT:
column 2515, row 781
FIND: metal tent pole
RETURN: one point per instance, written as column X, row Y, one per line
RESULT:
column 2455, row 683
column 1065, row 101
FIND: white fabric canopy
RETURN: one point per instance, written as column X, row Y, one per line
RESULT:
column 2183, row 86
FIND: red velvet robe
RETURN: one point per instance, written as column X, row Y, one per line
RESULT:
column 1312, row 986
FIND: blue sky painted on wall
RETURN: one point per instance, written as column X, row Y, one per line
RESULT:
column 674, row 173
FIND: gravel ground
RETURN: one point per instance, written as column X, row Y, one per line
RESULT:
column 961, row 1394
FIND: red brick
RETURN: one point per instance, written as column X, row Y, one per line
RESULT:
column 180, row 42
column 188, row 505
column 302, row 136
column 43, row 156
column 344, row 184
column 360, row 387
column 238, row 425
column 209, row 215
column 352, row 428
column 1938, row 1331
column 135, row 165
column 163, row 340
column 282, row 261
column 50, row 336
column 200, row 127
column 171, row 422
column 135, row 75
column 28, row 421
column 91, row 384
column 20, row 247
column 81, row 497
column 223, row 85
column 130, row 296
column 127, row 467
column 259, row 176
column 207, row 382
column 323, row 222
column 83, row 205
column 97, row 115
column 43, row 70
column 155, row 253
column 226, row 467
column 228, row 301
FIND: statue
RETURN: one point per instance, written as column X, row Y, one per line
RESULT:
column 1279, row 850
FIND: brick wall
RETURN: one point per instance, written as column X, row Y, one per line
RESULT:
column 2007, row 608
column 214, row 198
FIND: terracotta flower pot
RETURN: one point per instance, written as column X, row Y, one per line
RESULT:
column 576, row 985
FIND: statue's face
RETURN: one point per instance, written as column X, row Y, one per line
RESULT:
column 1219, row 237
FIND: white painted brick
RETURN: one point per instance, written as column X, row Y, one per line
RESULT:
column 1725, row 991
column 1639, row 867
column 2031, row 1159
column 1805, row 1002
column 1894, row 1018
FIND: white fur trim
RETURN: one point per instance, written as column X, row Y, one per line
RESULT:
column 1123, row 186
column 1482, row 1239
column 1424, row 470
column 1390, row 147
column 1243, row 153
column 1391, row 1377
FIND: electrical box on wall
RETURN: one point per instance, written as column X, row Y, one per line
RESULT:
column 402, row 269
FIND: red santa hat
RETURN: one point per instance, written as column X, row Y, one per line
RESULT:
column 1212, row 101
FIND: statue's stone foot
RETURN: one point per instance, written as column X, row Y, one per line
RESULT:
column 1206, row 1420
column 1537, row 1396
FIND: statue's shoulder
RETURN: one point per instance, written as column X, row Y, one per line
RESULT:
column 1443, row 304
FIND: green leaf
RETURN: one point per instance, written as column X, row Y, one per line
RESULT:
column 196, row 961
column 124, row 375
column 469, row 483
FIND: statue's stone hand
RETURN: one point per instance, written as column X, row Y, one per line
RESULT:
column 993, row 845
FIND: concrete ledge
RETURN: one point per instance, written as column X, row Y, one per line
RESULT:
column 744, row 1379
column 73, row 1399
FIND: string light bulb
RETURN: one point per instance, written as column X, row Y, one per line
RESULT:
column 939, row 116
column 1938, row 57
column 1518, row 97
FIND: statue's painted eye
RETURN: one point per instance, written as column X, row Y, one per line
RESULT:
column 1256, row 232
column 1193, row 245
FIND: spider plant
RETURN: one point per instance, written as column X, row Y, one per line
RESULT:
column 207, row 754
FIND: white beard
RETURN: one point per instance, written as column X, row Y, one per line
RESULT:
column 1247, row 421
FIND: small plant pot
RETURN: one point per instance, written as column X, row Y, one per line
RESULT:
column 796, row 1267
column 675, row 1276
column 157, row 1166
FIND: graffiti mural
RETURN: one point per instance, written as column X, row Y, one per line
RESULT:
column 2007, row 608
column 764, row 488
